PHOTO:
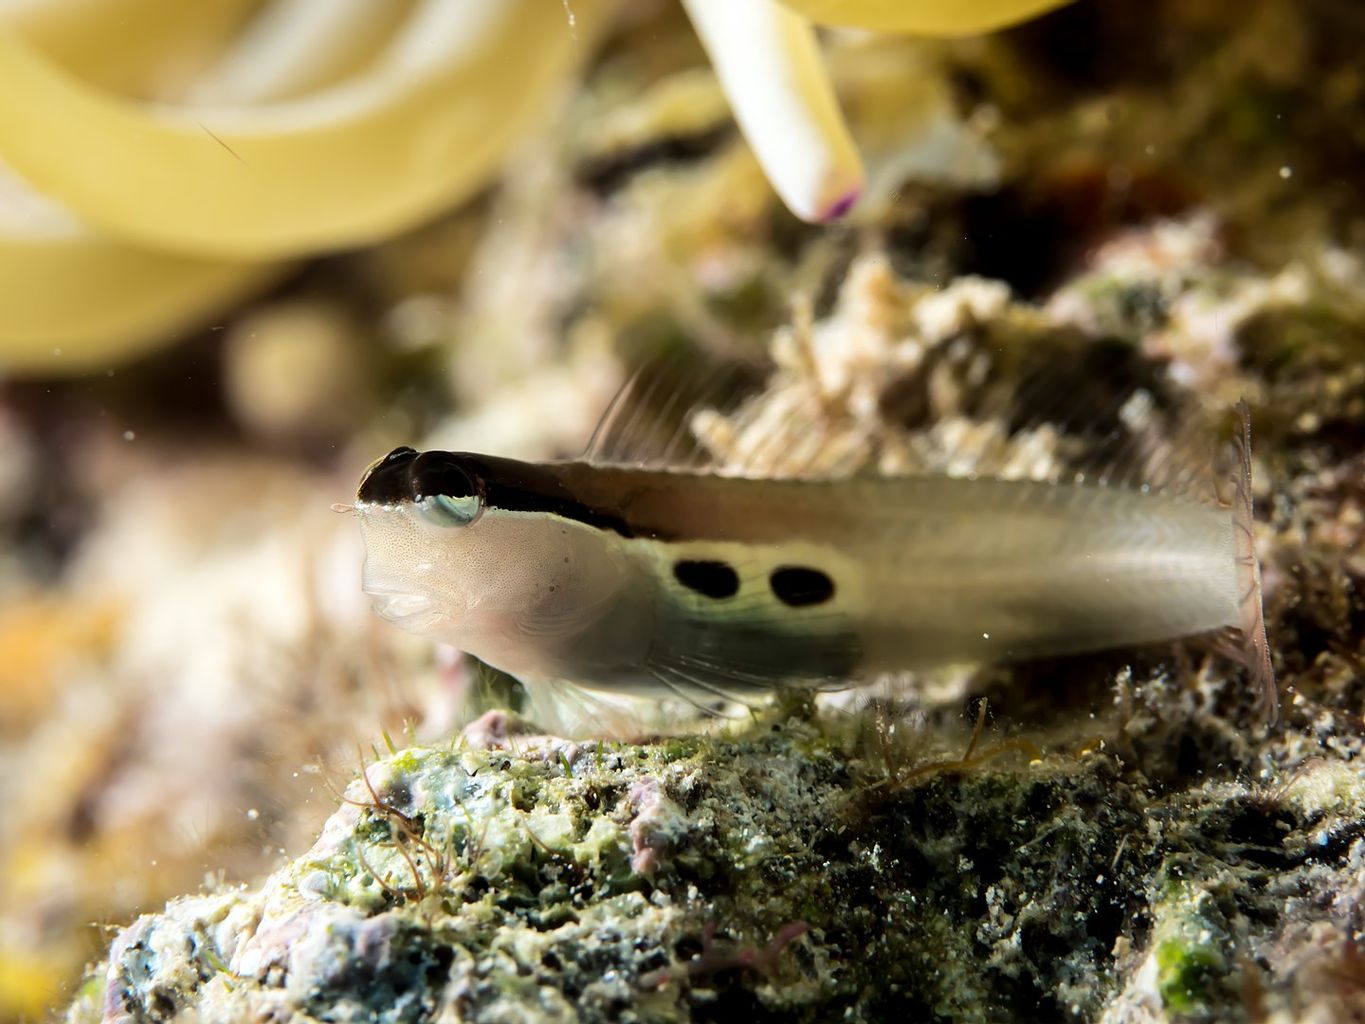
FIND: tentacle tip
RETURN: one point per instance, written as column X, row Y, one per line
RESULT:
column 840, row 206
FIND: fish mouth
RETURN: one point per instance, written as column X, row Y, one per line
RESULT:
column 415, row 613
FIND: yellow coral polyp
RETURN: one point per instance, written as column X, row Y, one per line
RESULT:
column 344, row 166
column 334, row 123
column 923, row 17
column 74, row 301
column 139, row 47
column 310, row 125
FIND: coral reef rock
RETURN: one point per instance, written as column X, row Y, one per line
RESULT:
column 789, row 872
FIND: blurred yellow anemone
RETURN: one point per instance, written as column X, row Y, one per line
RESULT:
column 168, row 212
column 183, row 152
column 74, row 301
column 414, row 132
column 923, row 17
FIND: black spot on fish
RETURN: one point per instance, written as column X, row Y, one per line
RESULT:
column 713, row 579
column 799, row 586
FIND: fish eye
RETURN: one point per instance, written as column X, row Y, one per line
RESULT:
column 445, row 493
column 446, row 510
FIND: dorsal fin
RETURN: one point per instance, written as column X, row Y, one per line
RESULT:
column 1100, row 413
column 1108, row 415
column 649, row 424
column 1133, row 426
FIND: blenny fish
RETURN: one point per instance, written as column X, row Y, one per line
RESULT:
column 679, row 580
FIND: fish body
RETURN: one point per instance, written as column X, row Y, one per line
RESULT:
column 705, row 585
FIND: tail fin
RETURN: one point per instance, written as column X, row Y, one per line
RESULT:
column 1256, row 650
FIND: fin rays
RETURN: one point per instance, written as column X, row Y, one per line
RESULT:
column 1255, row 643
column 648, row 425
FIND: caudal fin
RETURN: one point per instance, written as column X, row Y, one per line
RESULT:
column 1256, row 648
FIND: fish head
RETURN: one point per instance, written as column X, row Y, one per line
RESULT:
column 468, row 549
column 432, row 564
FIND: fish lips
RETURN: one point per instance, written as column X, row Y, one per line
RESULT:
column 415, row 613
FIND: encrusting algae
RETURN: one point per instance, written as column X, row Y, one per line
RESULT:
column 780, row 873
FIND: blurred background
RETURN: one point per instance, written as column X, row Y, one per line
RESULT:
column 247, row 246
